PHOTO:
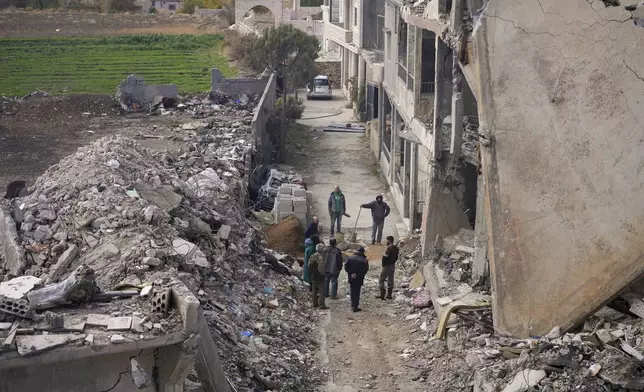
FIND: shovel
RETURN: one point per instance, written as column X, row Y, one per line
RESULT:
column 354, row 236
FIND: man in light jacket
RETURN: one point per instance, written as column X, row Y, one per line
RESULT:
column 379, row 211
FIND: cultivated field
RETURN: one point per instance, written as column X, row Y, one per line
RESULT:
column 96, row 65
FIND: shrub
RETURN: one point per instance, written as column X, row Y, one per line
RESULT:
column 293, row 109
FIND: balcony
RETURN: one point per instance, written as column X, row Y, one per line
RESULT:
column 337, row 33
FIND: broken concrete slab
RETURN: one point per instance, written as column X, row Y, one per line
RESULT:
column 137, row 324
column 464, row 249
column 163, row 197
column 74, row 323
column 63, row 263
column 36, row 344
column 119, row 324
column 98, row 320
column 525, row 380
column 117, row 339
column 14, row 253
column 418, row 280
column 18, row 288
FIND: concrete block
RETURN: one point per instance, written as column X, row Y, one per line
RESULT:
column 285, row 190
column 187, row 304
column 63, row 263
column 15, row 260
column 299, row 192
column 18, row 307
column 98, row 320
column 299, row 205
column 119, row 324
column 35, row 344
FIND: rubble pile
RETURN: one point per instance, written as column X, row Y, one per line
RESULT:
column 137, row 220
column 603, row 354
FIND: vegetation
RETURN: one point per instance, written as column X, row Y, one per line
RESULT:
column 188, row 6
column 292, row 110
column 286, row 50
column 96, row 65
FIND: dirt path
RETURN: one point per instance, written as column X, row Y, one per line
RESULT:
column 362, row 351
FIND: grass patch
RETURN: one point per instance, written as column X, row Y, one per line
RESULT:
column 96, row 65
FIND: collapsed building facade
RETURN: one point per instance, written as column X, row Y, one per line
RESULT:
column 520, row 121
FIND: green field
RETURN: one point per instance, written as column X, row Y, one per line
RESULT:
column 96, row 65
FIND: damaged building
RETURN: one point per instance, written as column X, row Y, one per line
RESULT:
column 519, row 122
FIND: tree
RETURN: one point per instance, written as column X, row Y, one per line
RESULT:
column 285, row 50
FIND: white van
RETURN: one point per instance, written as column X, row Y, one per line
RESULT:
column 319, row 88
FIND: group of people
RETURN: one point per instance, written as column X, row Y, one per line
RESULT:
column 323, row 264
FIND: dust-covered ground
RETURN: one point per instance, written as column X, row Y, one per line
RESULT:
column 37, row 132
column 16, row 24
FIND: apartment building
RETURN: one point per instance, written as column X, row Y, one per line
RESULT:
column 354, row 28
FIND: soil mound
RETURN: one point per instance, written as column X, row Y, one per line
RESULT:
column 286, row 236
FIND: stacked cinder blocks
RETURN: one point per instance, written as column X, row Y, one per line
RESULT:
column 292, row 200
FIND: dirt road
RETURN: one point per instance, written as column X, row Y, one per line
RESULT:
column 360, row 350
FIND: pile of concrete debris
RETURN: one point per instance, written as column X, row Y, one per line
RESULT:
column 455, row 347
column 115, row 220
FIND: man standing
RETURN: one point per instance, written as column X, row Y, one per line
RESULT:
column 317, row 267
column 313, row 230
column 379, row 211
column 356, row 267
column 333, row 266
column 388, row 269
column 337, row 208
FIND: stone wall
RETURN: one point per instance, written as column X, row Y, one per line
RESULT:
column 238, row 86
column 133, row 90
column 332, row 69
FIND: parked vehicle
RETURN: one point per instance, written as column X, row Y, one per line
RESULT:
column 320, row 87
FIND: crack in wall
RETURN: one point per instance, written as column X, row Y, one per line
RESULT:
column 633, row 71
column 121, row 374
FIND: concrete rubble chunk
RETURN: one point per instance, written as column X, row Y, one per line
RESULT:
column 98, row 320
column 524, row 380
column 190, row 253
column 5, row 326
column 418, row 280
column 18, row 288
column 145, row 292
column 119, row 324
column 464, row 249
column 163, row 197
column 36, row 344
column 206, row 185
column 137, row 324
column 43, row 233
column 117, row 339
column 139, row 375
column 14, row 254
column 153, row 261
column 224, row 232
column 63, row 263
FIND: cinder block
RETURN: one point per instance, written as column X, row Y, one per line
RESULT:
column 285, row 190
column 299, row 205
column 299, row 192
column 18, row 307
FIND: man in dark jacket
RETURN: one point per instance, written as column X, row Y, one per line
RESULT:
column 388, row 269
column 313, row 231
column 379, row 211
column 337, row 208
column 356, row 267
column 333, row 264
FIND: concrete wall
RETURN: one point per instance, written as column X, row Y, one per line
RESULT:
column 238, row 86
column 90, row 374
column 134, row 90
column 563, row 96
column 265, row 108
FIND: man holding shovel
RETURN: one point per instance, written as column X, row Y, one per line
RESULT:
column 337, row 208
column 379, row 211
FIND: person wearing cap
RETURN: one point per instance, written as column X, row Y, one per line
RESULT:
column 389, row 259
column 379, row 211
column 317, row 267
column 357, row 267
